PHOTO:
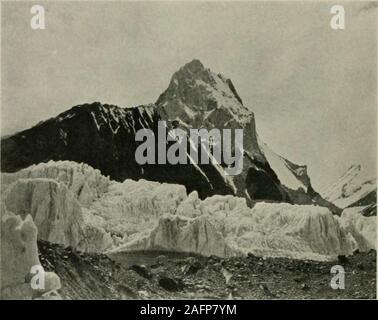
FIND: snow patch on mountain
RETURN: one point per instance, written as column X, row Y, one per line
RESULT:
column 280, row 166
column 353, row 185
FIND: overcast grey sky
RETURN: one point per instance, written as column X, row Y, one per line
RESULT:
column 312, row 89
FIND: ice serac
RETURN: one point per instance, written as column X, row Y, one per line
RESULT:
column 54, row 209
column 55, row 194
column 363, row 229
column 19, row 253
column 225, row 226
column 183, row 234
column 132, row 208
column 86, row 183
column 147, row 215
column 274, row 229
column 355, row 188
column 74, row 205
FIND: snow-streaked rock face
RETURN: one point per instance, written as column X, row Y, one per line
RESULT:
column 290, row 175
column 363, row 229
column 196, row 95
column 352, row 187
column 19, row 253
column 199, row 98
column 103, row 136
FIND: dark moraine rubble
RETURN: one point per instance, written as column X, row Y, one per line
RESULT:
column 163, row 275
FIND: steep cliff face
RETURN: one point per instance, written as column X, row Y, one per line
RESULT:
column 199, row 98
column 95, row 134
column 19, row 253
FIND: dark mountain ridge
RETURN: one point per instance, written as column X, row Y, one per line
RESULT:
column 103, row 136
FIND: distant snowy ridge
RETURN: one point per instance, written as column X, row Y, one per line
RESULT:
column 355, row 184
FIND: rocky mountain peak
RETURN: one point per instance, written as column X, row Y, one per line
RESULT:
column 194, row 66
column 195, row 69
column 198, row 96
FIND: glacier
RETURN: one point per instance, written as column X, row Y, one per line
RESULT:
column 363, row 229
column 74, row 205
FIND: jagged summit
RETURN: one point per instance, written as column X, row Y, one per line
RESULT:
column 197, row 94
column 194, row 66
column 109, row 116
column 97, row 106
